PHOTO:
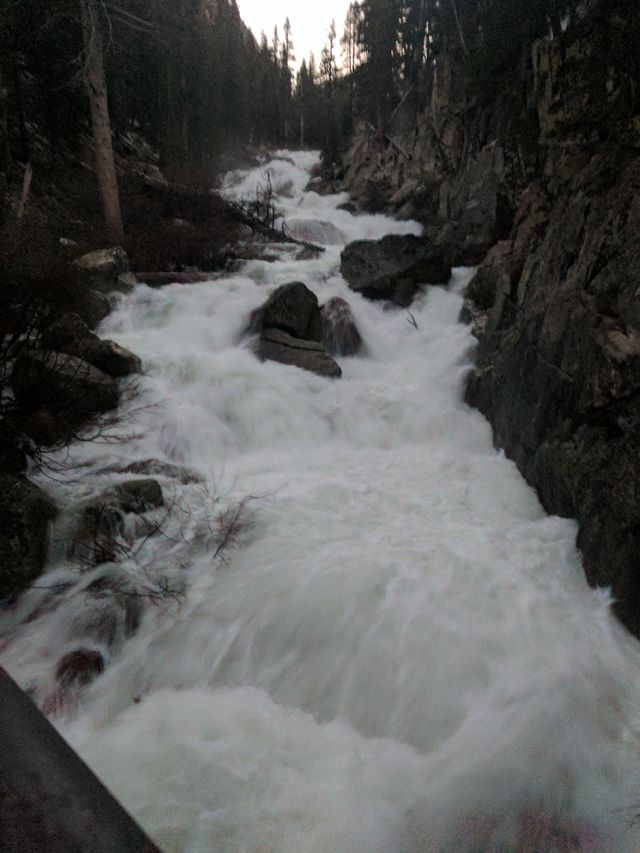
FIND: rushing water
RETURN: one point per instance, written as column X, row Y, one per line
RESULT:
column 399, row 652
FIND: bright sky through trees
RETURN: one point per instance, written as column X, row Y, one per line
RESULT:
column 310, row 20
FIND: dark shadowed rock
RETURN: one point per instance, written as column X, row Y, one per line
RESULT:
column 393, row 268
column 294, row 309
column 25, row 514
column 340, row 334
column 65, row 386
column 13, row 459
column 101, row 270
column 79, row 668
column 91, row 306
column 276, row 345
column 71, row 335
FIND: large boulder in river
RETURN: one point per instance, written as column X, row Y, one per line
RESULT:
column 25, row 514
column 65, row 387
column 340, row 335
column 71, row 335
column 290, row 329
column 276, row 345
column 394, row 268
column 294, row 309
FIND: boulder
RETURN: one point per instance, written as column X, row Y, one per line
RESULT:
column 25, row 514
column 292, row 308
column 393, row 268
column 340, row 334
column 64, row 385
column 91, row 306
column 71, row 335
column 277, row 345
column 315, row 231
column 101, row 270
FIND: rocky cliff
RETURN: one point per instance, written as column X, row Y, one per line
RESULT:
column 541, row 180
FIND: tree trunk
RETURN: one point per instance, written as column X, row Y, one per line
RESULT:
column 96, row 86
column 463, row 41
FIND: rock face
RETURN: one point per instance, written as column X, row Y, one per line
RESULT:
column 558, row 368
column 71, row 335
column 276, row 345
column 25, row 514
column 69, row 389
column 340, row 335
column 393, row 268
column 290, row 329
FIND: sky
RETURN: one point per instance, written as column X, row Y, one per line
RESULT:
column 310, row 20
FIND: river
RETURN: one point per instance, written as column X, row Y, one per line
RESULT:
column 396, row 653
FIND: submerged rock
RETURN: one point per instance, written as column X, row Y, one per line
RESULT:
column 100, row 534
column 25, row 514
column 79, row 668
column 394, row 268
column 340, row 334
column 276, row 345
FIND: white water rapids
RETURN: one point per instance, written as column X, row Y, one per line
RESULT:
column 399, row 655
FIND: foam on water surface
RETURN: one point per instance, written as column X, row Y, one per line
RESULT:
column 401, row 654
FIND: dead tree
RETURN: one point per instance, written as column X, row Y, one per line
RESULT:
column 96, row 86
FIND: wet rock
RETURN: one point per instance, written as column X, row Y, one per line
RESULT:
column 292, row 308
column 340, row 335
column 100, row 534
column 558, row 370
column 66, row 386
column 101, row 270
column 123, row 612
column 349, row 206
column 79, row 668
column 139, row 496
column 394, row 268
column 25, row 514
column 315, row 231
column 276, row 345
column 71, row 335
